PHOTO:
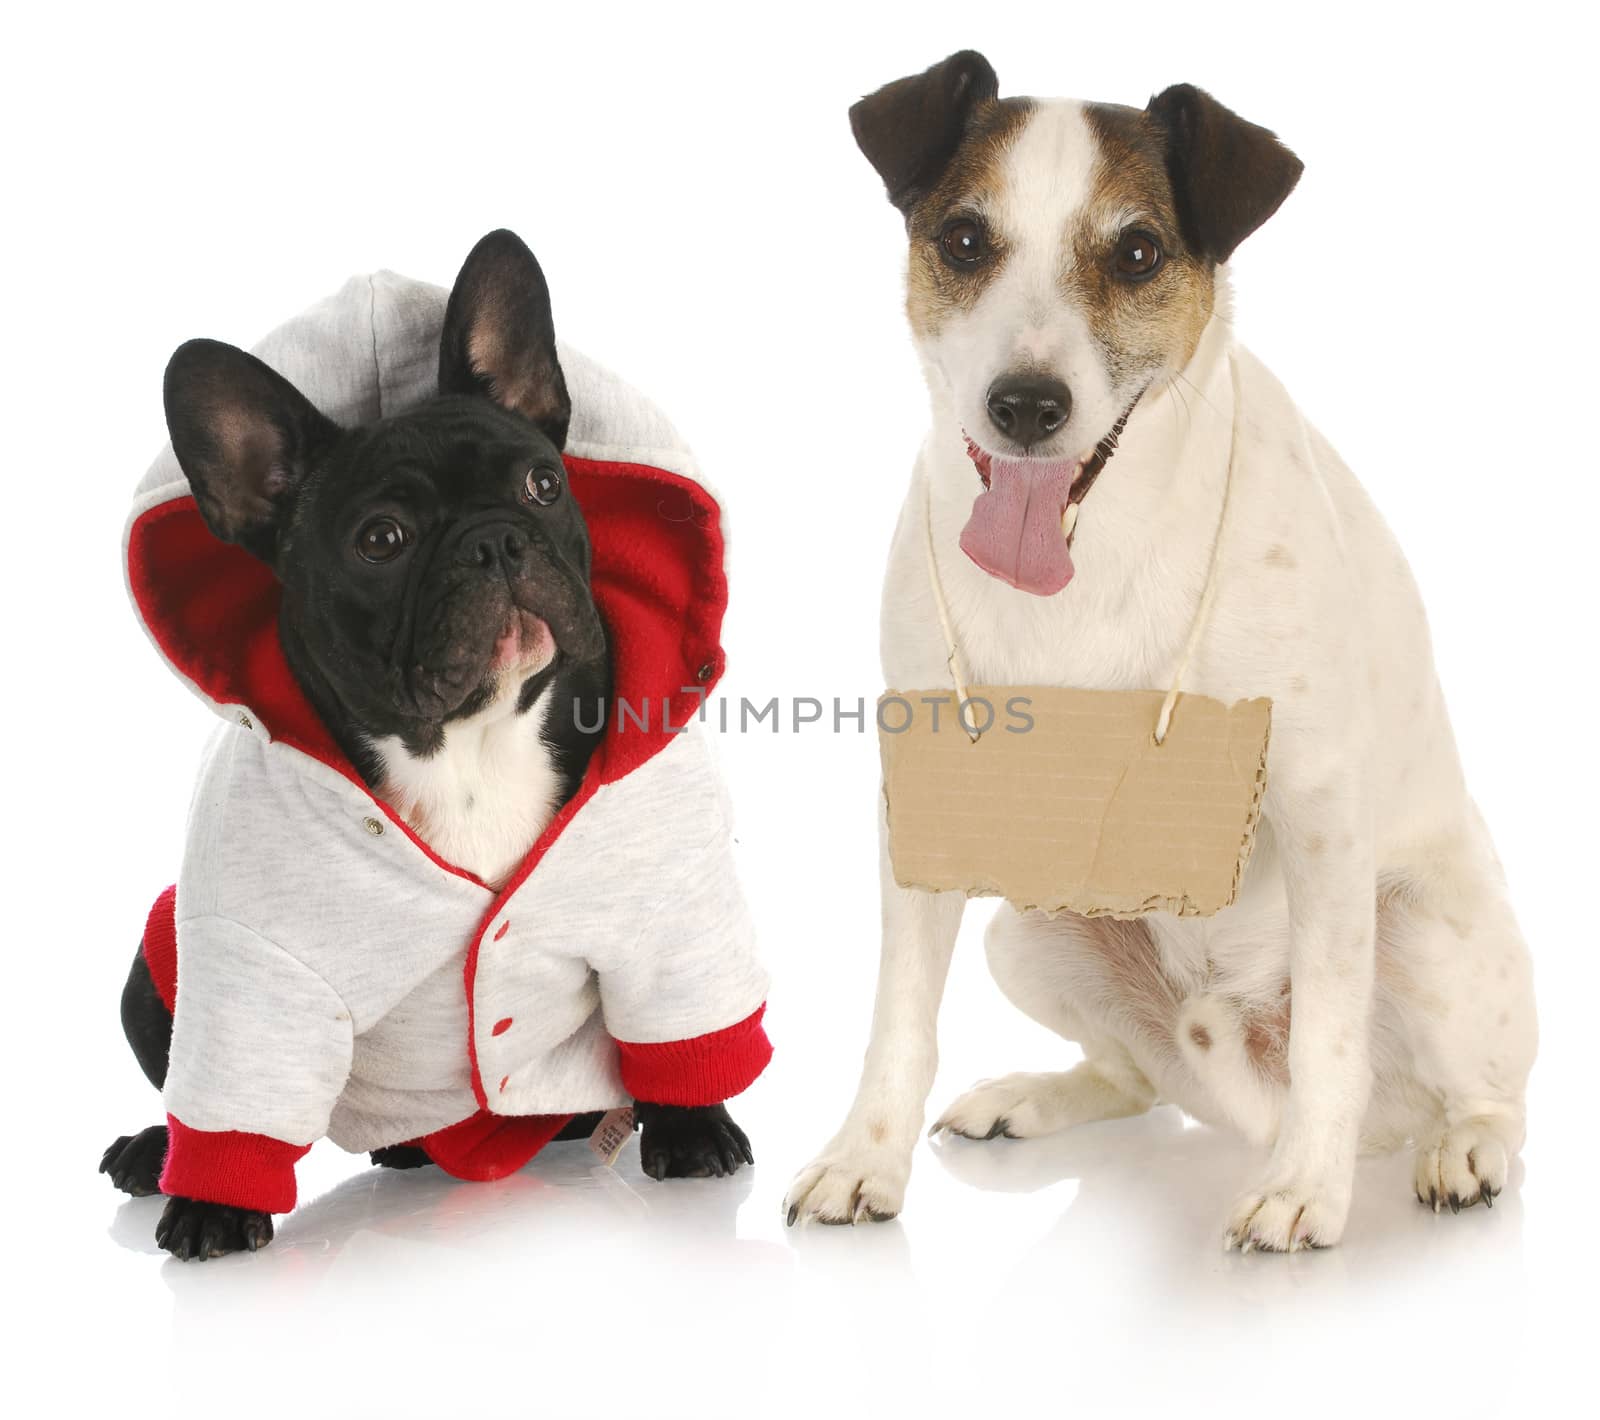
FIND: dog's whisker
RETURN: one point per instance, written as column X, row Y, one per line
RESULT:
column 1179, row 398
column 1198, row 391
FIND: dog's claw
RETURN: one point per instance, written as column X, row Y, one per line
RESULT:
column 257, row 1232
column 681, row 1142
column 195, row 1231
column 133, row 1162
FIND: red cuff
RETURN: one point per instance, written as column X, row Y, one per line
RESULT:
column 706, row 1070
column 228, row 1166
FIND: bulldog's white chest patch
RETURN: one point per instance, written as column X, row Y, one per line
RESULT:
column 482, row 800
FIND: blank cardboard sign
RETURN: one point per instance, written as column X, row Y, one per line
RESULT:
column 1081, row 811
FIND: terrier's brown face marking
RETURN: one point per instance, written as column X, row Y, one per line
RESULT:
column 1145, row 325
column 969, row 189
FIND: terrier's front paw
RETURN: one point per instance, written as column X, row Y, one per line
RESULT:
column 134, row 1161
column 683, row 1142
column 191, row 1229
column 850, row 1185
column 1287, row 1217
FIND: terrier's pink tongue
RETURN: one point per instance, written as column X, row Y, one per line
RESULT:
column 1014, row 532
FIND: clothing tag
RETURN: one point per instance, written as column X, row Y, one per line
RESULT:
column 611, row 1133
column 1065, row 802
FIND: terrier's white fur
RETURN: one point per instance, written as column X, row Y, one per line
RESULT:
column 1373, row 907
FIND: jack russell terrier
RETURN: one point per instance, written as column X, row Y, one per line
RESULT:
column 1369, row 988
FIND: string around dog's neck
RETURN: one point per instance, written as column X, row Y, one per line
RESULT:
column 1080, row 488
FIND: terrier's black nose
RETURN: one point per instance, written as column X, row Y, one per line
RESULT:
column 488, row 544
column 1028, row 408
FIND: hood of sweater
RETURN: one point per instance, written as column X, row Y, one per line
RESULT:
column 371, row 350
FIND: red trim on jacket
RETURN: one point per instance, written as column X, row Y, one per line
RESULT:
column 706, row 1070
column 231, row 1167
column 160, row 947
column 487, row 1146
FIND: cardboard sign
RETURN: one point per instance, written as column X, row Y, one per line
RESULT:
column 1066, row 803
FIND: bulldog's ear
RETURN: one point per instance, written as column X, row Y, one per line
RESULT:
column 499, row 339
column 245, row 437
column 1228, row 175
column 910, row 129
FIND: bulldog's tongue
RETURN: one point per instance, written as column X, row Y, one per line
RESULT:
column 525, row 638
column 1014, row 532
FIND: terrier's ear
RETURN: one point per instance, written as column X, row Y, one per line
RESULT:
column 499, row 339
column 910, row 129
column 246, row 439
column 1228, row 175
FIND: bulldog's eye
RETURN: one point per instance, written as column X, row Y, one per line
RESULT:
column 1138, row 257
column 542, row 486
column 381, row 540
column 963, row 242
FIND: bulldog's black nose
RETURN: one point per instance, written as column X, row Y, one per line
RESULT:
column 487, row 545
column 1028, row 408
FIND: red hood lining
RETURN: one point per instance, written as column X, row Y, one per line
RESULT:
column 657, row 578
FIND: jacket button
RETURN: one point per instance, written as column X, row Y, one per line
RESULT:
column 374, row 826
column 706, row 671
column 247, row 722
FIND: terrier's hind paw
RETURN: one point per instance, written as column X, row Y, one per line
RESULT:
column 134, row 1161
column 1466, row 1164
column 1026, row 1106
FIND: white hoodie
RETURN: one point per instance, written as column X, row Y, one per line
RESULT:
column 333, row 975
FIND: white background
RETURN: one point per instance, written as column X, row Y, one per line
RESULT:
column 688, row 180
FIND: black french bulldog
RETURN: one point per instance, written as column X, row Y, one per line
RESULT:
column 317, row 504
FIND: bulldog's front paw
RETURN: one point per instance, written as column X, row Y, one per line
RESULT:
column 689, row 1142
column 850, row 1185
column 1288, row 1217
column 191, row 1229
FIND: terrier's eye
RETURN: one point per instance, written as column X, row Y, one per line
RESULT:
column 381, row 540
column 542, row 486
column 963, row 242
column 1138, row 257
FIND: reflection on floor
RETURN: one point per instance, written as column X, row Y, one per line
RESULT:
column 1093, row 1255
